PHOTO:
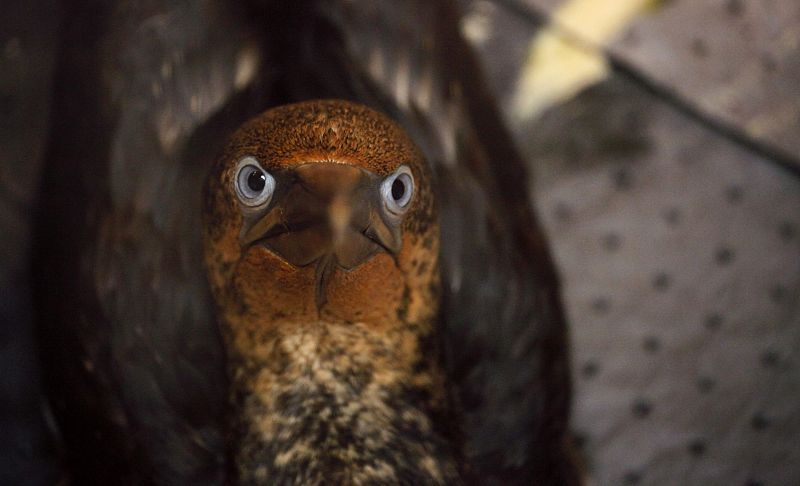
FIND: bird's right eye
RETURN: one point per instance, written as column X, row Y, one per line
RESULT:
column 254, row 185
column 396, row 191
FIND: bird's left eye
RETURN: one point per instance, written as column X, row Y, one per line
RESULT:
column 254, row 185
column 397, row 190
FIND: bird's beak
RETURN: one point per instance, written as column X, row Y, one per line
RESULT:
column 328, row 214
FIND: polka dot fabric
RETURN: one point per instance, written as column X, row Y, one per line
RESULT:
column 681, row 273
column 679, row 252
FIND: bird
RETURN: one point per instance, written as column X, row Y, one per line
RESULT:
column 139, row 325
column 321, row 242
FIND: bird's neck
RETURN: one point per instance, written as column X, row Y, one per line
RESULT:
column 341, row 404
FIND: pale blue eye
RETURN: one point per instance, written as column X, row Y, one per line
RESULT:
column 254, row 185
column 397, row 191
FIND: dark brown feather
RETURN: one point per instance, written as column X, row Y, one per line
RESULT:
column 146, row 93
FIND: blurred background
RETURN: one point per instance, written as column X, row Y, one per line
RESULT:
column 663, row 139
column 665, row 142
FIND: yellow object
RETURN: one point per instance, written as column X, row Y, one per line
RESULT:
column 567, row 56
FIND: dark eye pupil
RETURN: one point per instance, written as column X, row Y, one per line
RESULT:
column 256, row 180
column 398, row 189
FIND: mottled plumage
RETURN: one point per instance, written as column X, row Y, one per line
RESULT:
column 145, row 97
column 349, row 389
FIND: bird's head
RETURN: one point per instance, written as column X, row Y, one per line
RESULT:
column 321, row 211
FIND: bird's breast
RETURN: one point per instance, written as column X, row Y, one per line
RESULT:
column 344, row 404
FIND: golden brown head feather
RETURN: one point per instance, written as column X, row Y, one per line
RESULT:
column 321, row 131
column 334, row 362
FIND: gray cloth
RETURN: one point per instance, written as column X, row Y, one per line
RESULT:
column 681, row 273
column 679, row 251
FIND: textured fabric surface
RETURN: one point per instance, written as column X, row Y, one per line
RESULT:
column 679, row 251
column 681, row 269
column 734, row 59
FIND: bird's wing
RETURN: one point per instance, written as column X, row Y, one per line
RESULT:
column 144, row 96
column 504, row 326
